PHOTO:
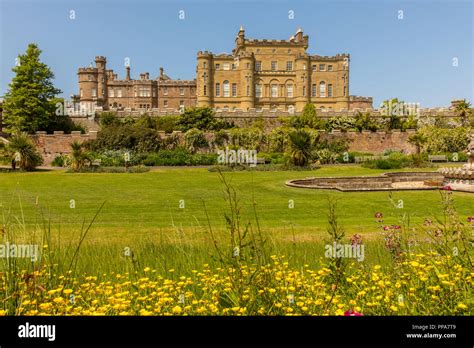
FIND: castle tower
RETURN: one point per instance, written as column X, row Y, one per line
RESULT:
column 204, row 79
column 240, row 39
column 100, row 63
column 303, row 81
column 88, row 86
column 247, row 81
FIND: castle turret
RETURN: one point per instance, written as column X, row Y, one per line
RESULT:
column 204, row 81
column 303, row 79
column 100, row 63
column 246, row 67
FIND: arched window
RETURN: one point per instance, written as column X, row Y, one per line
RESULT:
column 226, row 88
column 322, row 89
column 274, row 90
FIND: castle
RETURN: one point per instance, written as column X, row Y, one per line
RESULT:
column 259, row 74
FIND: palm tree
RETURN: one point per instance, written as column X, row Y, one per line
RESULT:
column 77, row 156
column 418, row 140
column 463, row 111
column 300, row 147
column 23, row 151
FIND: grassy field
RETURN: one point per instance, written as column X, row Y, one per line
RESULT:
column 148, row 204
column 142, row 215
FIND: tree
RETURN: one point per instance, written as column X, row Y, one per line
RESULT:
column 300, row 147
column 23, row 152
column 463, row 111
column 29, row 103
column 418, row 139
column 202, row 118
column 78, row 157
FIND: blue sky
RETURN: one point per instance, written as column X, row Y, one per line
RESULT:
column 409, row 58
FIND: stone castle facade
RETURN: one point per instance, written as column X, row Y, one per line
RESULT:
column 258, row 75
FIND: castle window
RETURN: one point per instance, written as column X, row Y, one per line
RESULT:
column 234, row 90
column 274, row 65
column 304, row 91
column 226, row 87
column 119, row 93
column 204, row 65
column 181, row 103
column 258, row 91
column 329, row 90
column 248, row 90
column 226, row 66
column 322, row 67
column 274, row 91
column 344, row 91
column 258, row 66
column 103, row 91
column 248, row 65
column 234, row 66
column 89, row 77
column 314, row 67
column 291, row 109
column 165, row 91
column 322, row 89
column 218, row 66
column 289, row 66
column 289, row 91
column 154, row 92
column 218, row 89
column 111, row 92
column 81, row 93
column 181, row 91
column 329, row 67
column 94, row 92
column 205, row 90
column 314, row 88
column 165, row 103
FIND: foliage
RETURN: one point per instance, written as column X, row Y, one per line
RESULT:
column 108, row 118
column 364, row 121
column 195, row 140
column 418, row 139
column 278, row 139
column 343, row 123
column 131, row 137
column 23, row 149
column 78, row 158
column 133, row 169
column 300, row 148
column 221, row 137
column 178, row 157
column 307, row 119
column 463, row 111
column 397, row 160
column 248, row 138
column 167, row 123
column 445, row 139
column 202, row 118
column 29, row 103
column 60, row 161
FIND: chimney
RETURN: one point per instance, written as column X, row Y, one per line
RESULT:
column 128, row 73
column 299, row 35
column 147, row 76
column 161, row 72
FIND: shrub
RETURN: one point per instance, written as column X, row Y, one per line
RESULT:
column 108, row 118
column 167, row 124
column 202, row 118
column 300, row 148
column 195, row 140
column 278, row 139
column 365, row 122
column 59, row 161
column 343, row 123
column 24, row 152
column 221, row 137
column 326, row 156
column 248, row 138
column 178, row 157
column 445, row 139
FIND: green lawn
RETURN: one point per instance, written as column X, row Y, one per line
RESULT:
column 147, row 204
